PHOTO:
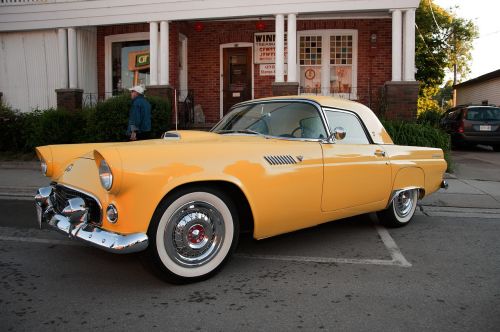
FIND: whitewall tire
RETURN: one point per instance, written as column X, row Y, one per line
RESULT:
column 401, row 210
column 192, row 235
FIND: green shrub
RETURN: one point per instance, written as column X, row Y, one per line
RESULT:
column 108, row 121
column 51, row 127
column 431, row 117
column 419, row 134
column 11, row 128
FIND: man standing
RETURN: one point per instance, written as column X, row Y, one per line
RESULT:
column 139, row 120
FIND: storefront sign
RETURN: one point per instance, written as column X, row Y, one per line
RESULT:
column 265, row 47
column 269, row 69
column 138, row 60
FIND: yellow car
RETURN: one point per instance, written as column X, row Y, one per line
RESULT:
column 270, row 166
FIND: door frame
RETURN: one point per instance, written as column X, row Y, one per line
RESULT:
column 221, row 66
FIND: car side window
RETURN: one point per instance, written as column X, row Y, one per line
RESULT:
column 355, row 134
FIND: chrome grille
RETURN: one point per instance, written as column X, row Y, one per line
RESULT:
column 280, row 160
column 62, row 194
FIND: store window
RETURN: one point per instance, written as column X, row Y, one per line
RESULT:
column 130, row 64
column 126, row 62
column 328, row 62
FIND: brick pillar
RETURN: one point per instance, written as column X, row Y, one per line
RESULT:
column 165, row 92
column 285, row 88
column 69, row 99
column 400, row 102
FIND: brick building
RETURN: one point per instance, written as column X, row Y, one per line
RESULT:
column 219, row 52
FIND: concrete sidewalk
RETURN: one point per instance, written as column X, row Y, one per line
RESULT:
column 21, row 180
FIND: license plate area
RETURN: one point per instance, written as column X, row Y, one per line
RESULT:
column 484, row 128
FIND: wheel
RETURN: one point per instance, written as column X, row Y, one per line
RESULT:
column 401, row 210
column 192, row 235
column 496, row 148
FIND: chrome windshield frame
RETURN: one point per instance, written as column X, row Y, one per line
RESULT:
column 316, row 105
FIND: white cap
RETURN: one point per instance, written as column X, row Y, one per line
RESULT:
column 139, row 89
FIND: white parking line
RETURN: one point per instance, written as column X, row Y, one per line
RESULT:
column 397, row 257
column 8, row 234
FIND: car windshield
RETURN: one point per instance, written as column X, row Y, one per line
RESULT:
column 278, row 119
column 483, row 114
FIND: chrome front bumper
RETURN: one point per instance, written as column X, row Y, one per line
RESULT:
column 72, row 221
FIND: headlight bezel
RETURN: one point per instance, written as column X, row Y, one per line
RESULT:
column 105, row 174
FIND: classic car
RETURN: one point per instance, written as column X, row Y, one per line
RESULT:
column 270, row 166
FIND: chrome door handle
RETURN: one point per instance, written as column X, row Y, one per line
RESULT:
column 380, row 153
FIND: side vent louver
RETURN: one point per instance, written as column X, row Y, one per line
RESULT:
column 280, row 160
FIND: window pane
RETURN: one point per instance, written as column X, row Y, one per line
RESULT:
column 354, row 131
column 130, row 61
column 340, row 79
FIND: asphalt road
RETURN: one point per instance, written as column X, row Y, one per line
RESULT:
column 438, row 273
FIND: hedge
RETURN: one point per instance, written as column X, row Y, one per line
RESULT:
column 106, row 122
column 419, row 134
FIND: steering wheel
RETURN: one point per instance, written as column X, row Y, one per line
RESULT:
column 295, row 131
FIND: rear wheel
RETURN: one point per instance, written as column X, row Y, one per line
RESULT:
column 401, row 210
column 192, row 235
column 496, row 148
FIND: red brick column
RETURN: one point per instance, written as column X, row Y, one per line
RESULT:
column 400, row 100
column 165, row 92
column 285, row 88
column 69, row 99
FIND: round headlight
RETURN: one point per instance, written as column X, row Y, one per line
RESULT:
column 105, row 175
column 43, row 166
column 112, row 213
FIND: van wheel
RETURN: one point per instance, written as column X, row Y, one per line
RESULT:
column 192, row 235
column 401, row 210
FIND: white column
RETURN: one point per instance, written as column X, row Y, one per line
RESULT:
column 397, row 41
column 292, row 48
column 280, row 48
column 409, row 46
column 153, row 53
column 164, row 53
column 62, row 36
column 72, row 59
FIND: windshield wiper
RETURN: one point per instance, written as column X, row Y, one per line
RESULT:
column 238, row 131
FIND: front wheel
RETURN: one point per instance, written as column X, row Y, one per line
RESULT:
column 401, row 210
column 192, row 235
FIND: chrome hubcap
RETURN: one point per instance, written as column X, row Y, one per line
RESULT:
column 404, row 202
column 194, row 234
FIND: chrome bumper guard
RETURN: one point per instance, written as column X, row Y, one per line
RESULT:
column 444, row 184
column 73, row 221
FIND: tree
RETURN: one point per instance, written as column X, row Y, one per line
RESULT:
column 443, row 41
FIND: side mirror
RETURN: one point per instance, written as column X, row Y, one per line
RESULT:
column 339, row 133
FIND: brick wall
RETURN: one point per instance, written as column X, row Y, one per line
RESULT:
column 374, row 60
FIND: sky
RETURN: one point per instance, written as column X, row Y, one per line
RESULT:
column 485, row 14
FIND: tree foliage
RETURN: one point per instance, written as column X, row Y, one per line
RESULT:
column 443, row 41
